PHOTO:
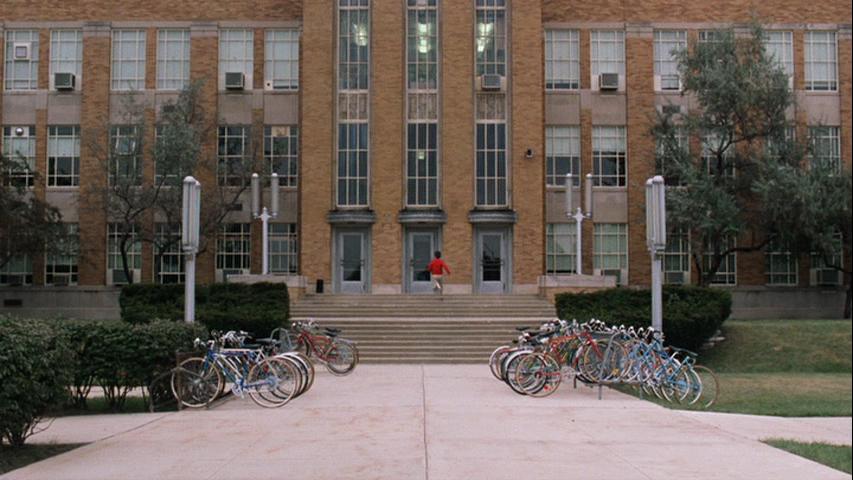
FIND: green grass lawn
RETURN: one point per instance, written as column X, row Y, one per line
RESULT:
column 839, row 457
column 13, row 458
column 783, row 367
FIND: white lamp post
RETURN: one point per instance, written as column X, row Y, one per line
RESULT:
column 189, row 241
column 656, row 242
column 265, row 215
column 578, row 215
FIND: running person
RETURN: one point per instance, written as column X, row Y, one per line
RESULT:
column 436, row 268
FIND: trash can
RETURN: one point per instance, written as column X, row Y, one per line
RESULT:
column 319, row 286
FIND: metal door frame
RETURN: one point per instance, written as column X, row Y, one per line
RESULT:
column 407, row 269
column 506, row 264
column 367, row 259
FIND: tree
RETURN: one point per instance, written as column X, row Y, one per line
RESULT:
column 135, row 203
column 28, row 226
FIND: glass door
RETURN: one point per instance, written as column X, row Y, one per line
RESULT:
column 491, row 262
column 351, row 264
column 420, row 246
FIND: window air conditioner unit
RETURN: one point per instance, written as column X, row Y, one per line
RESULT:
column 64, row 82
column 670, row 109
column 675, row 278
column 825, row 277
column 615, row 272
column 168, row 108
column 234, row 81
column 118, row 277
column 60, row 281
column 22, row 51
column 491, row 83
column 225, row 273
column 608, row 81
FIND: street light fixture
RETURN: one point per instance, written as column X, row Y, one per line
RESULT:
column 579, row 215
column 656, row 242
column 190, row 222
column 265, row 215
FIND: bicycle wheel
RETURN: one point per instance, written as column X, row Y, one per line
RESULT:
column 341, row 358
column 710, row 390
column 496, row 359
column 676, row 387
column 196, row 383
column 511, row 365
column 272, row 382
column 538, row 375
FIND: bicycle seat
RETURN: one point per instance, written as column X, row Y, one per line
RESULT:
column 333, row 330
column 522, row 329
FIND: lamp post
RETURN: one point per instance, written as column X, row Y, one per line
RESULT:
column 656, row 242
column 579, row 215
column 265, row 215
column 189, row 241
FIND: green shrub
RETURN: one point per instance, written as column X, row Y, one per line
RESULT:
column 258, row 308
column 33, row 374
column 690, row 314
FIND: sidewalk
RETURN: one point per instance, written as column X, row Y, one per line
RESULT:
column 428, row 422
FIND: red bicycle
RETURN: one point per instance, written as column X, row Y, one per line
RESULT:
column 339, row 355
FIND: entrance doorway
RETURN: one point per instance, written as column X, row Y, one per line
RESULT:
column 493, row 261
column 420, row 245
column 352, row 269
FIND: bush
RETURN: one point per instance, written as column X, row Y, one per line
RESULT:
column 258, row 308
column 33, row 374
column 690, row 314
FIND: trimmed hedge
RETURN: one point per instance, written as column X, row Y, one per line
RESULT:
column 258, row 308
column 690, row 314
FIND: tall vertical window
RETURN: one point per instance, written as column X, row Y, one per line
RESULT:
column 66, row 53
column 22, row 60
column 562, row 60
column 18, row 270
column 821, row 61
column 128, row 72
column 60, row 266
column 168, row 257
column 667, row 44
column 667, row 151
column 490, row 37
column 232, row 155
column 826, row 147
column 236, row 54
column 353, row 84
column 609, row 161
column 560, row 248
column 173, row 59
column 119, row 238
column 284, row 257
column 63, row 156
column 281, row 59
column 126, row 162
column 422, row 103
column 562, row 155
column 780, row 46
column 491, row 166
column 281, row 151
column 781, row 266
column 610, row 249
column 19, row 150
column 823, row 269
column 727, row 273
column 607, row 52
column 676, row 258
column 234, row 248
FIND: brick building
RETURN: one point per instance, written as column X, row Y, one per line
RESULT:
column 400, row 127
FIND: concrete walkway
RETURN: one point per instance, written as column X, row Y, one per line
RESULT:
column 426, row 422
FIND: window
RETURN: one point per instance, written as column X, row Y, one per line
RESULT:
column 676, row 258
column 607, row 52
column 490, row 37
column 718, row 155
column 712, row 36
column 63, row 156
column 18, row 270
column 609, row 161
column 821, row 61
column 780, row 46
column 169, row 166
column 823, row 271
column 60, row 266
column 19, row 150
column 66, row 53
column 284, row 256
column 128, row 60
column 125, row 164
column 781, row 266
column 422, row 164
column 779, row 146
column 826, row 147
column 119, row 236
column 560, row 248
column 233, row 248
column 352, row 164
column 491, row 175
column 727, row 273
column 281, row 151
column 667, row 44
column 22, row 60
column 669, row 150
column 562, row 155
column 354, row 45
column 232, row 155
column 281, row 59
column 562, row 60
column 173, row 59
column 610, row 249
column 236, row 54
column 168, row 255
column 422, row 45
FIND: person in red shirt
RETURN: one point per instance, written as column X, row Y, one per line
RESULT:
column 436, row 268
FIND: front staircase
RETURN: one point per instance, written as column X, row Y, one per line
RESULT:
column 425, row 328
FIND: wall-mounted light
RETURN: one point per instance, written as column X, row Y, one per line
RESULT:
column 529, row 153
